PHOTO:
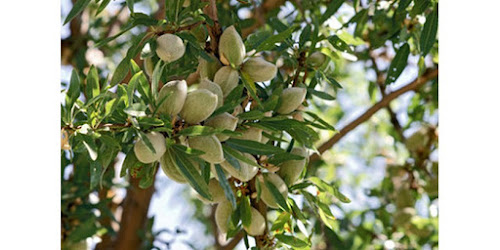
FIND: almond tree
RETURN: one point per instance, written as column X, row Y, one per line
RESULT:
column 238, row 101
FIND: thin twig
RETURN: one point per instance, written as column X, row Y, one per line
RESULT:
column 430, row 74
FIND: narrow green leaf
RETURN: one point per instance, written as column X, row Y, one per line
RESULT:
column 321, row 94
column 74, row 88
column 155, row 79
column 136, row 109
column 250, row 86
column 129, row 162
column 339, row 44
column 232, row 160
column 132, row 85
column 253, row 147
column 270, row 42
column 278, row 197
column 225, row 185
column 78, row 7
column 290, row 240
column 398, row 64
column 96, row 171
column 187, row 150
column 330, row 10
column 102, row 6
column 92, row 88
column 280, row 222
column 429, row 32
column 245, row 212
column 146, row 141
column 282, row 157
column 148, row 176
column 190, row 173
column 121, row 72
column 323, row 122
column 130, row 5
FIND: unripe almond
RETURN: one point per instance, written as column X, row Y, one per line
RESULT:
column 246, row 171
column 169, row 47
column 199, row 105
column 231, row 47
column 208, row 69
column 223, row 213
column 210, row 145
column 214, row 88
column 257, row 224
column 223, row 121
column 316, row 59
column 215, row 191
column 169, row 167
column 290, row 99
column 251, row 133
column 227, row 78
column 259, row 70
column 177, row 92
column 142, row 151
column 291, row 170
column 266, row 195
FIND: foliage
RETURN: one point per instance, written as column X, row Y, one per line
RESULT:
column 112, row 102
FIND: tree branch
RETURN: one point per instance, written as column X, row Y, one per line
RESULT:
column 371, row 111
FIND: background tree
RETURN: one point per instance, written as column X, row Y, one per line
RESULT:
column 354, row 58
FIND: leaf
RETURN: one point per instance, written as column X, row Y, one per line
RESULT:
column 232, row 160
column 147, row 178
column 130, row 5
column 321, row 94
column 78, row 7
column 225, row 185
column 245, row 212
column 129, row 162
column 228, row 151
column 197, row 130
column 305, row 35
column 429, row 32
column 96, row 171
column 250, row 86
column 253, row 147
column 321, row 121
column 330, row 10
column 120, row 73
column 398, row 64
column 280, row 222
column 85, row 229
column 187, row 150
column 190, row 173
column 102, row 6
column 146, row 141
column 136, row 109
column 74, row 88
column 329, row 188
column 339, row 44
column 92, row 88
column 89, row 143
column 157, row 74
column 132, row 85
column 251, row 115
column 278, row 197
column 282, row 157
column 270, row 42
column 290, row 240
